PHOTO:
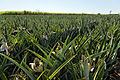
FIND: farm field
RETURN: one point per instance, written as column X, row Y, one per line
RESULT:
column 60, row 47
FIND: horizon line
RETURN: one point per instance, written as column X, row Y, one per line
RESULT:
column 56, row 12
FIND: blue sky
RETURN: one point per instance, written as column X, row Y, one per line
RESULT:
column 62, row 6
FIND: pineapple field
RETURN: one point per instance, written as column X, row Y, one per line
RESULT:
column 60, row 47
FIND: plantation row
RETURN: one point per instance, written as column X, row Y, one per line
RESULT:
column 62, row 47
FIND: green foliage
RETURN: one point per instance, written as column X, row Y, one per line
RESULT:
column 63, row 47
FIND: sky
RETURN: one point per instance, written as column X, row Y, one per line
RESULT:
column 62, row 6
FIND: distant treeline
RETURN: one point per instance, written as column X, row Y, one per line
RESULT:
column 43, row 13
column 33, row 13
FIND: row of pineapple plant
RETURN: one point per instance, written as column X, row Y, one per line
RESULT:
column 84, row 47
